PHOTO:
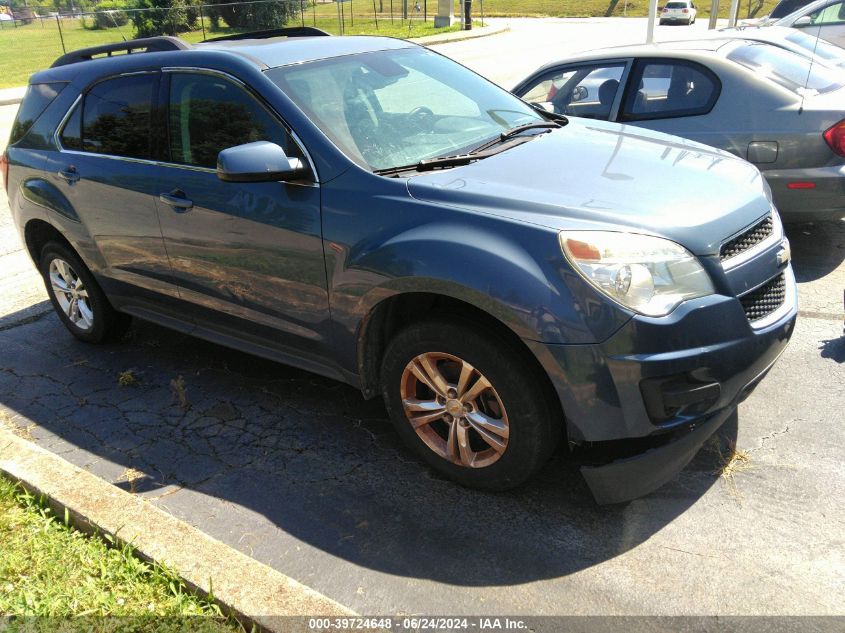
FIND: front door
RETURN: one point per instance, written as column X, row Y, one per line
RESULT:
column 248, row 257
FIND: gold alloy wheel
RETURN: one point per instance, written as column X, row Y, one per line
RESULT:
column 454, row 409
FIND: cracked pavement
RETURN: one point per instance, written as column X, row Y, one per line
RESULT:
column 301, row 473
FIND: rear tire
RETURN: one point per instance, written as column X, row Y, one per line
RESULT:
column 77, row 298
column 449, row 385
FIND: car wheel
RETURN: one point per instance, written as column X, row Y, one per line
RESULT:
column 468, row 404
column 77, row 298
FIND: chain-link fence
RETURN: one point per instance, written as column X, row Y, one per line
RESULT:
column 32, row 38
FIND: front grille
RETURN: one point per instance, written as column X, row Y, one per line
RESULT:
column 747, row 239
column 764, row 300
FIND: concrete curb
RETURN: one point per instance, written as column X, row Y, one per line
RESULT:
column 253, row 592
column 460, row 36
column 12, row 96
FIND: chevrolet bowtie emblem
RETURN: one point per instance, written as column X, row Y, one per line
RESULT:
column 785, row 253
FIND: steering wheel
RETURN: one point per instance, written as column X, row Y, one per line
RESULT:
column 423, row 118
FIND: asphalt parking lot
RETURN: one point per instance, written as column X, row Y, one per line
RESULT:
column 301, row 473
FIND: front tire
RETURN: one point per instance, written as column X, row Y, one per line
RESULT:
column 77, row 298
column 469, row 403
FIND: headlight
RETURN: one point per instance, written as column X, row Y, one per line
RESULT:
column 647, row 274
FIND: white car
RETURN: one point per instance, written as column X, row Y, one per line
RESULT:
column 678, row 12
column 824, row 18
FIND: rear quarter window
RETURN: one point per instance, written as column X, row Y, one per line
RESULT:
column 35, row 101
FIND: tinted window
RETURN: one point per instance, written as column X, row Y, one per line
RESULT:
column 209, row 114
column 786, row 7
column 116, row 116
column 786, row 69
column 71, row 136
column 676, row 5
column 670, row 89
column 35, row 101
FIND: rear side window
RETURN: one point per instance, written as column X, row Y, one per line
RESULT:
column 793, row 72
column 661, row 89
column 35, row 101
column 209, row 114
column 116, row 116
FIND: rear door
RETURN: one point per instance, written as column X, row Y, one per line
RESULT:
column 248, row 257
column 105, row 169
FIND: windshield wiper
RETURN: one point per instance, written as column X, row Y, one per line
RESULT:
column 456, row 160
column 554, row 116
column 537, row 125
column 506, row 140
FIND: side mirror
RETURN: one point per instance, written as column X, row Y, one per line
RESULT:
column 804, row 20
column 260, row 161
column 579, row 93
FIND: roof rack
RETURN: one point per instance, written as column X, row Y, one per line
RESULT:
column 292, row 31
column 145, row 45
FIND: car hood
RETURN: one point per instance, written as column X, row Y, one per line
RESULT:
column 599, row 175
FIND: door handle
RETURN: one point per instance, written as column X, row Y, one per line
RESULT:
column 69, row 175
column 177, row 200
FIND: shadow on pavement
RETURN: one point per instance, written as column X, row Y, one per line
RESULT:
column 817, row 248
column 310, row 456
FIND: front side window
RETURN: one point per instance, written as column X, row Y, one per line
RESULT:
column 388, row 109
column 793, row 72
column 117, row 116
column 832, row 14
column 208, row 114
column 585, row 91
column 670, row 88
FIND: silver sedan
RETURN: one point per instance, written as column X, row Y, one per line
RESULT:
column 763, row 103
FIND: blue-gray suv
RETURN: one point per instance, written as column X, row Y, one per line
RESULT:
column 369, row 210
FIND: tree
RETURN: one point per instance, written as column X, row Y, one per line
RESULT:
column 164, row 17
column 255, row 15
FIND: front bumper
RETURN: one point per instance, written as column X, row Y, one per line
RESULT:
column 703, row 359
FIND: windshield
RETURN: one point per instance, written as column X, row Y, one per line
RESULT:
column 785, row 7
column 793, row 72
column 818, row 47
column 388, row 109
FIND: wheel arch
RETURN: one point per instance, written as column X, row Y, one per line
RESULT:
column 38, row 233
column 400, row 310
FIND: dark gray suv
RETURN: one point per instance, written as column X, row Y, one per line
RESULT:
column 371, row 211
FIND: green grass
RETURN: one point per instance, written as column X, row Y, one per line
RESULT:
column 52, row 571
column 27, row 49
column 33, row 47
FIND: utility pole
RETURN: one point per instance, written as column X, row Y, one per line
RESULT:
column 652, row 16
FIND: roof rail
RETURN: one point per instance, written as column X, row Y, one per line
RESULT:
column 145, row 45
column 292, row 31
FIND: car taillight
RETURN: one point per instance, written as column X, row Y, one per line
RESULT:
column 4, row 169
column 835, row 137
column 684, row 10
